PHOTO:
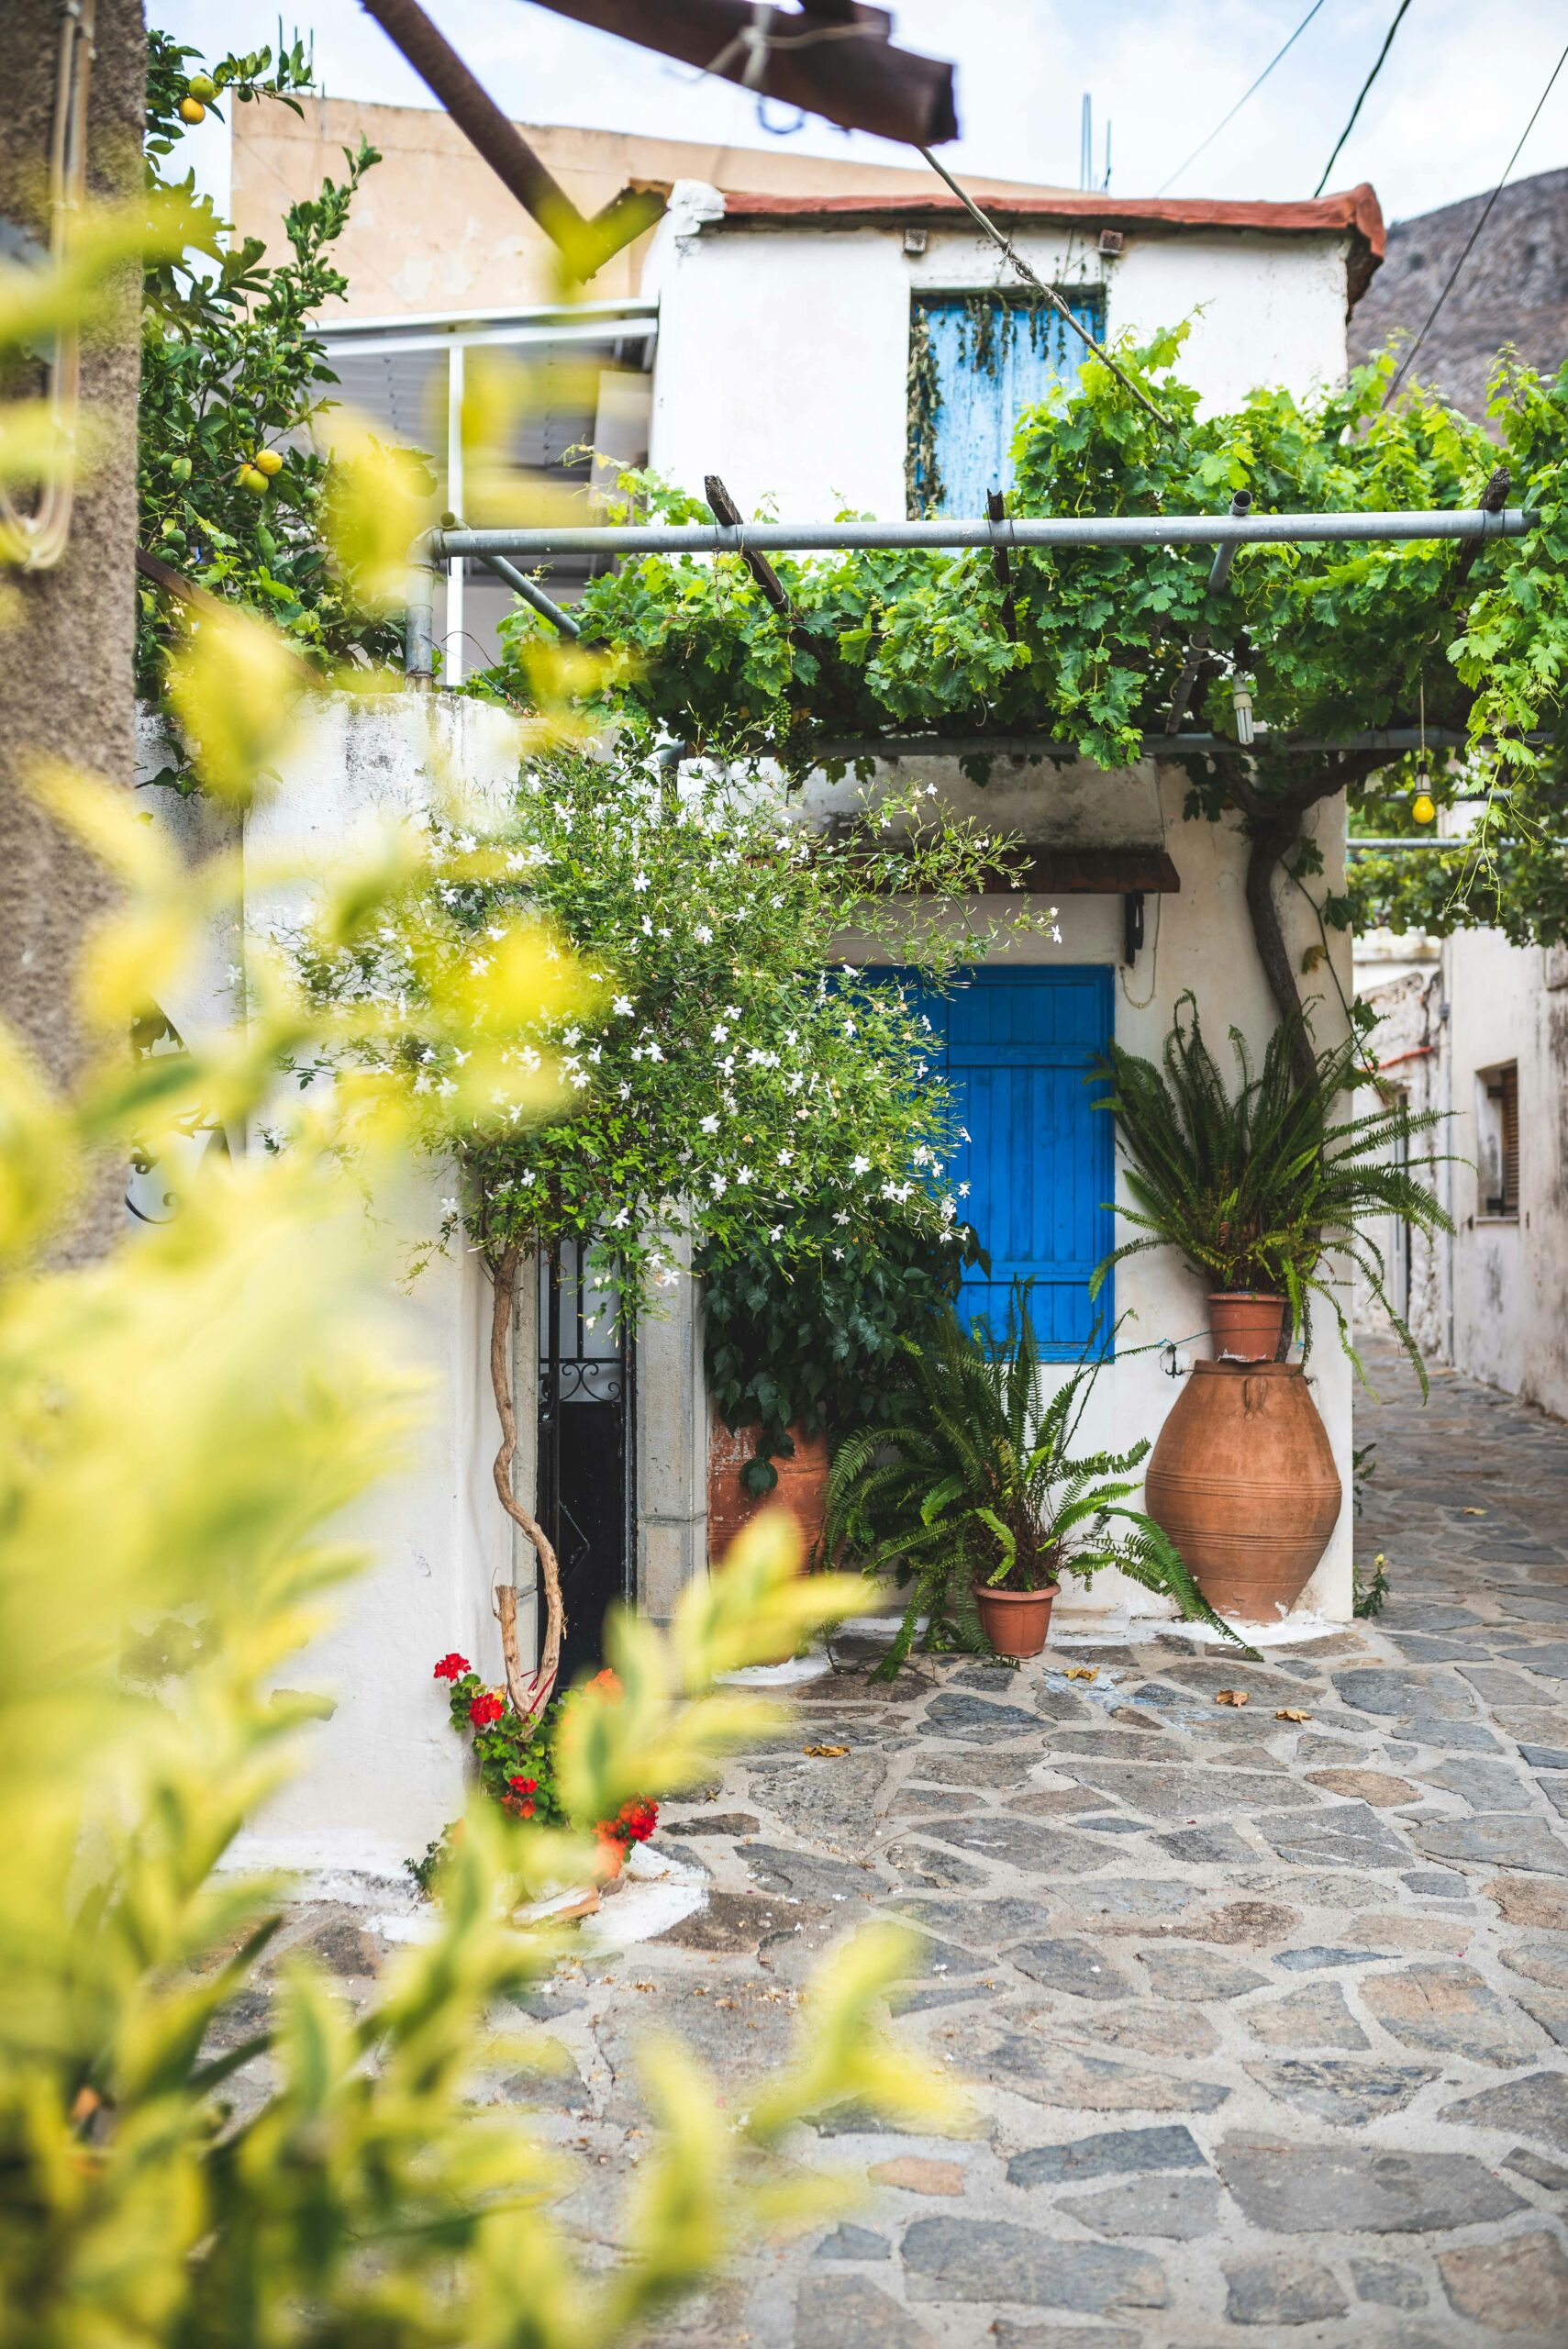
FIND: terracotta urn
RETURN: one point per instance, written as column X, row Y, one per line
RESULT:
column 1016, row 1622
column 802, row 1488
column 1245, row 1324
column 1243, row 1481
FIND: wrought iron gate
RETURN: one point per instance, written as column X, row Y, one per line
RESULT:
column 585, row 1464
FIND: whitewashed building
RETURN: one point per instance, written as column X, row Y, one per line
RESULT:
column 777, row 332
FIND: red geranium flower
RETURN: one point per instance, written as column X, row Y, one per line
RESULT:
column 609, row 1681
column 638, row 1819
column 522, row 1785
column 453, row 1667
column 486, row 1708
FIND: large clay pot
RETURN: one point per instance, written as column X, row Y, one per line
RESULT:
column 1245, row 1324
column 802, row 1488
column 1016, row 1622
column 1244, row 1483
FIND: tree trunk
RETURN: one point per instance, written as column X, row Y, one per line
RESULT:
column 528, row 1697
column 66, row 683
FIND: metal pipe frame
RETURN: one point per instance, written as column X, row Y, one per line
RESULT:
column 532, row 595
column 1012, row 532
column 1392, row 739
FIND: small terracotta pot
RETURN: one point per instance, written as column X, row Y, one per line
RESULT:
column 1016, row 1622
column 1245, row 1324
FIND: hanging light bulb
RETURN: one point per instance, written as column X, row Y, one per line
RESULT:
column 1423, row 807
column 1241, row 703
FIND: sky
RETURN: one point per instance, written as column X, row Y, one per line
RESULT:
column 1454, row 95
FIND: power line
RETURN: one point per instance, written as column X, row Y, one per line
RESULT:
column 1377, row 68
column 1470, row 241
column 1241, row 101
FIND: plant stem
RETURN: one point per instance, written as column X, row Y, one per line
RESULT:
column 529, row 1697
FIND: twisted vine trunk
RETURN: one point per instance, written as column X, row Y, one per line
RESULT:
column 529, row 1697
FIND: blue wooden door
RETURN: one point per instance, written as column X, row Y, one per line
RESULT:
column 991, row 357
column 1015, row 1045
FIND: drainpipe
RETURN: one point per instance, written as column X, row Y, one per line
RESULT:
column 420, row 622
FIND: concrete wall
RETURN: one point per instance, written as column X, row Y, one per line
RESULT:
column 783, row 351
column 434, row 229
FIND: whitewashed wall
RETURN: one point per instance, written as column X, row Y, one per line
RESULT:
column 1200, row 938
column 783, row 351
column 385, row 1772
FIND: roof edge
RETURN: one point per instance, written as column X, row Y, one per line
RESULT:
column 1355, row 211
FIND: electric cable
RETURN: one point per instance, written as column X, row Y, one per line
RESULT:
column 1360, row 100
column 1473, row 237
column 1241, row 101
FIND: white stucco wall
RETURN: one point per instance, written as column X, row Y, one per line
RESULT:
column 783, row 351
column 1492, row 1299
column 385, row 1773
column 1510, row 1277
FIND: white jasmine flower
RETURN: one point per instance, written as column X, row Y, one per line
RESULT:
column 787, row 1158
column 709, row 1125
column 703, row 935
column 622, row 1007
column 859, row 1166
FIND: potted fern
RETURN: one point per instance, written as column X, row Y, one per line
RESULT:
column 973, row 1494
column 1254, row 1185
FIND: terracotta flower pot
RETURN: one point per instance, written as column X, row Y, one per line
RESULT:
column 1245, row 1324
column 1243, row 1481
column 1016, row 1622
column 802, row 1488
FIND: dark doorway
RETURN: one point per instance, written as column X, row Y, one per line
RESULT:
column 584, row 1449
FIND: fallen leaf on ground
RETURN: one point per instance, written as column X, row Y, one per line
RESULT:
column 824, row 1753
column 1473, row 1512
column 1289, row 1713
column 1082, row 1671
column 1233, row 1697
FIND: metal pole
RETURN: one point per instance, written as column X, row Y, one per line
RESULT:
column 1198, row 643
column 420, row 622
column 1012, row 531
column 451, row 635
column 532, row 595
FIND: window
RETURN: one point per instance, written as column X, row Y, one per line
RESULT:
column 1497, row 1135
column 976, row 361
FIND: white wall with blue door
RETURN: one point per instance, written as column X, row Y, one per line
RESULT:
column 790, row 351
column 1045, row 1183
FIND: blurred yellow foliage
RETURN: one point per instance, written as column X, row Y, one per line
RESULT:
column 183, row 1424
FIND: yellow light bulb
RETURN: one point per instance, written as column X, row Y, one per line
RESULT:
column 1423, row 807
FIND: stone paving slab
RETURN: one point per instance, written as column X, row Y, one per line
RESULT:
column 1264, row 2019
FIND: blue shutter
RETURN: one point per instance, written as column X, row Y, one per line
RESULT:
column 977, row 410
column 1015, row 1045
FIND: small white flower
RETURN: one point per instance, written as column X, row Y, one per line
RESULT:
column 720, row 1033
column 622, row 1007
column 709, row 1125
column 640, row 882
column 703, row 935
column 787, row 1158
column 859, row 1166
column 777, row 1232
column 744, row 1175
column 449, row 1207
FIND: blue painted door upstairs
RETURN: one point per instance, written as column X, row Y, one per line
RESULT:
column 990, row 358
column 1015, row 1045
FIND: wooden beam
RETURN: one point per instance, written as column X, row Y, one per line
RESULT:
column 723, row 509
column 586, row 244
column 833, row 62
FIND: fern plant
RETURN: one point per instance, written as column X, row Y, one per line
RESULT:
column 974, row 1479
column 1254, row 1186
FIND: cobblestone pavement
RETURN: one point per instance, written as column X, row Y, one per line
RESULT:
column 1265, row 2018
